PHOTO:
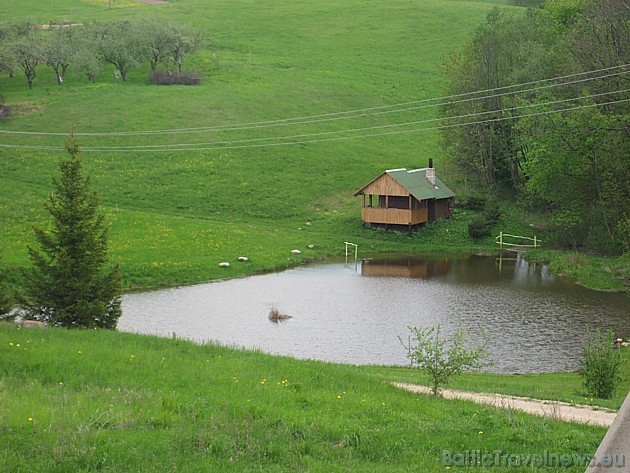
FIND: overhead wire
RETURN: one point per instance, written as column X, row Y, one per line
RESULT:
column 339, row 138
column 353, row 114
column 353, row 130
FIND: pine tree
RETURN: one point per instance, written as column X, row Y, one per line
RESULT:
column 68, row 284
column 5, row 296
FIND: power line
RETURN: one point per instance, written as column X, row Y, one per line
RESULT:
column 339, row 138
column 353, row 130
column 359, row 113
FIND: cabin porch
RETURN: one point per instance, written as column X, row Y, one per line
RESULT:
column 394, row 210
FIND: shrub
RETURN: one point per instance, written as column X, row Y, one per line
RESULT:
column 492, row 212
column 442, row 359
column 471, row 202
column 601, row 365
column 164, row 77
column 479, row 228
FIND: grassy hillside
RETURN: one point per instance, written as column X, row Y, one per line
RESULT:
column 93, row 400
column 176, row 214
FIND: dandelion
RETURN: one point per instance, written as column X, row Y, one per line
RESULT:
column 10, row 344
column 338, row 397
column 481, row 432
column 30, row 419
column 79, row 352
column 18, row 345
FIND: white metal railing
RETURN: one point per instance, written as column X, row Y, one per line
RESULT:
column 500, row 240
column 356, row 250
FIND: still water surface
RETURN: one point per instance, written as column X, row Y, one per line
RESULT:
column 355, row 313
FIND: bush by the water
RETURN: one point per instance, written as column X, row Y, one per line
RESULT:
column 601, row 365
column 443, row 358
column 164, row 77
column 481, row 226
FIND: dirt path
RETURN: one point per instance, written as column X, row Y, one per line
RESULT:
column 552, row 409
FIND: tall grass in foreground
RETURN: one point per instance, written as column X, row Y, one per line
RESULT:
column 95, row 400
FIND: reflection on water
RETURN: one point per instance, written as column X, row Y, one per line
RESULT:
column 410, row 267
column 355, row 313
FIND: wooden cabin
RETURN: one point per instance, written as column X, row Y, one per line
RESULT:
column 399, row 199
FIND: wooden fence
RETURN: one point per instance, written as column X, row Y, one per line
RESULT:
column 502, row 236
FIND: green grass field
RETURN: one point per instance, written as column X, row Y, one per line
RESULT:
column 176, row 214
column 74, row 400
column 94, row 400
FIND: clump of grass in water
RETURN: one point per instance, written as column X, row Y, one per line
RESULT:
column 276, row 316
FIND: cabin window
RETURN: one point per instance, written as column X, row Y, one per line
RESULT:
column 372, row 200
column 399, row 202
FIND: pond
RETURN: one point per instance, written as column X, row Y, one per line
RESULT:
column 354, row 313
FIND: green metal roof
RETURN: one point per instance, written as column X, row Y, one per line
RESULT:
column 415, row 181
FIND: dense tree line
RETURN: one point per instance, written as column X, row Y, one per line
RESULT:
column 124, row 44
column 572, row 164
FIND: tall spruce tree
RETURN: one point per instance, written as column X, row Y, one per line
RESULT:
column 68, row 284
column 5, row 296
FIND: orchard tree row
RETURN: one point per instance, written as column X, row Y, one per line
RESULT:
column 124, row 44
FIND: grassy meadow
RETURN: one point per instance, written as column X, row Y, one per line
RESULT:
column 178, row 203
column 175, row 214
column 74, row 400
